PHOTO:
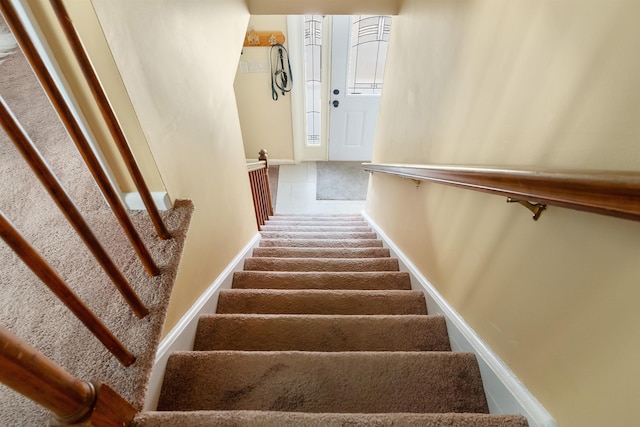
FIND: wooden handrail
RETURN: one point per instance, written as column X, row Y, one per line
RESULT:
column 30, row 373
column 72, row 126
column 610, row 193
column 110, row 118
column 38, row 164
column 49, row 277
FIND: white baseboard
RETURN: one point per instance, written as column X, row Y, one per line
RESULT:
column 182, row 335
column 277, row 162
column 274, row 162
column 505, row 393
column 134, row 201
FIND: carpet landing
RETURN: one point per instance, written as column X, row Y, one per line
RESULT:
column 317, row 335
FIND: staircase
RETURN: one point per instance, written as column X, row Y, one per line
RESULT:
column 321, row 329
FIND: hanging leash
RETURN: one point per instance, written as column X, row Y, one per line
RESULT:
column 280, row 76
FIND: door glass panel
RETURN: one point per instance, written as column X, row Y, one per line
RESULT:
column 368, row 53
column 313, row 80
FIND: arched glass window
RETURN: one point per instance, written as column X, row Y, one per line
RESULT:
column 369, row 43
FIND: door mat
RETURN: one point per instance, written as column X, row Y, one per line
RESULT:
column 341, row 181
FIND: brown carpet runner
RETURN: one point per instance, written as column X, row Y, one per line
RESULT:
column 321, row 329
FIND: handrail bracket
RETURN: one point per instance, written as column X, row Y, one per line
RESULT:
column 536, row 208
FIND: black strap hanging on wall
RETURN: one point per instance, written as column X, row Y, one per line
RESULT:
column 281, row 77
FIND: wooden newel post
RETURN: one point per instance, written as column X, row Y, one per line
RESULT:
column 263, row 155
column 32, row 374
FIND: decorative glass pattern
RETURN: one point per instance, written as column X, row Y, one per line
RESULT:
column 369, row 43
column 313, row 80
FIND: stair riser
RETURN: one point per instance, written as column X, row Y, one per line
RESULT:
column 322, row 333
column 321, row 302
column 316, row 235
column 319, row 223
column 315, row 264
column 290, row 217
column 320, row 280
column 333, row 382
column 321, row 243
column 321, row 253
column 292, row 419
column 317, row 228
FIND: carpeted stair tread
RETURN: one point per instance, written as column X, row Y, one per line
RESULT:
column 381, row 280
column 317, row 235
column 321, row 333
column 330, row 223
column 315, row 217
column 275, row 252
column 321, row 243
column 321, row 264
column 270, row 301
column 301, row 419
column 317, row 228
column 322, row 329
column 323, row 382
column 310, row 219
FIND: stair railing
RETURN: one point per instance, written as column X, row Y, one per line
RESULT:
column 21, row 367
column 260, row 188
column 109, row 116
column 64, row 112
column 610, row 193
column 39, row 166
column 72, row 401
column 49, row 277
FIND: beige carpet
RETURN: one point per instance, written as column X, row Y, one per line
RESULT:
column 297, row 419
column 28, row 308
column 309, row 337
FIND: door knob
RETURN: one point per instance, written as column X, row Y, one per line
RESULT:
column 336, row 103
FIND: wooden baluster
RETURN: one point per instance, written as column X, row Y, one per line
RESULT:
column 252, row 182
column 72, row 126
column 38, row 164
column 263, row 196
column 32, row 374
column 109, row 116
column 260, row 211
column 264, row 156
column 43, row 270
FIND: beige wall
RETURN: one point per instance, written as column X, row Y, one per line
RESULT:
column 86, row 23
column 536, row 83
column 265, row 123
column 178, row 61
column 326, row 7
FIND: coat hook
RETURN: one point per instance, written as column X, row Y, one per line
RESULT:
column 253, row 39
column 536, row 208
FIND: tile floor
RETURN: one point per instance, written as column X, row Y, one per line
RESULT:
column 297, row 193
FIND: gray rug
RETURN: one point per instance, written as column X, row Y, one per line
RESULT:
column 341, row 181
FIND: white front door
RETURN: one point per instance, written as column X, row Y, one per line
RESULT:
column 357, row 67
